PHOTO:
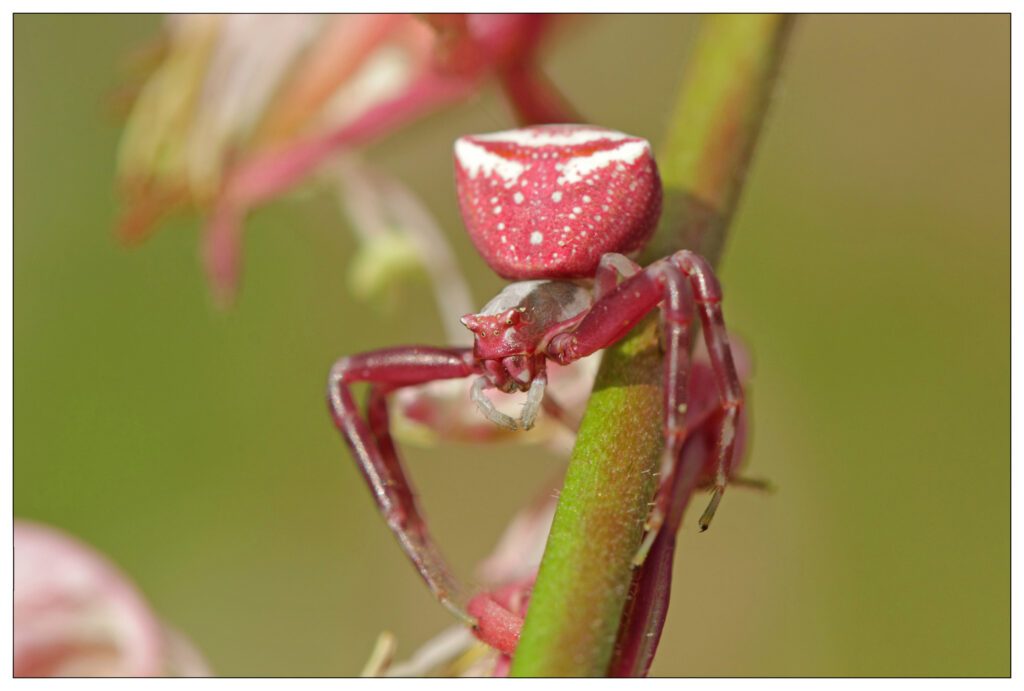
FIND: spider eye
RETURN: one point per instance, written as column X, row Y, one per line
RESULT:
column 512, row 316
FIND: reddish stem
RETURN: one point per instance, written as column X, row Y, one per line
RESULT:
column 534, row 97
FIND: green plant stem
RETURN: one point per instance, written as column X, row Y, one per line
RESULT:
column 584, row 578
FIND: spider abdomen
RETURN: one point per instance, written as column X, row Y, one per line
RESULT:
column 549, row 201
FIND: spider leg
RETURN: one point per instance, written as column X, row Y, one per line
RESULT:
column 374, row 450
column 708, row 296
column 616, row 310
column 690, row 285
column 683, row 284
column 677, row 310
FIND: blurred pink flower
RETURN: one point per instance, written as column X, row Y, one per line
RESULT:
column 76, row 614
column 243, row 107
column 399, row 237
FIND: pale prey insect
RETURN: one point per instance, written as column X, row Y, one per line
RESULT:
column 558, row 209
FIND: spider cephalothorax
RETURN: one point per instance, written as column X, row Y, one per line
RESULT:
column 510, row 337
column 559, row 209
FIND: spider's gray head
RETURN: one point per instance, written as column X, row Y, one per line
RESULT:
column 511, row 332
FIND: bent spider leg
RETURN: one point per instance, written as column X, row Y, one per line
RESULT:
column 676, row 315
column 421, row 548
column 375, row 452
column 708, row 295
column 615, row 313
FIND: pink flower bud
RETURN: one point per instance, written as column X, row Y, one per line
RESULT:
column 76, row 614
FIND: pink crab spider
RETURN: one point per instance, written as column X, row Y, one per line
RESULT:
column 559, row 209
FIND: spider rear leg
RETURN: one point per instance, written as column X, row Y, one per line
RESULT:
column 708, row 297
column 677, row 310
column 683, row 284
column 374, row 450
column 690, row 286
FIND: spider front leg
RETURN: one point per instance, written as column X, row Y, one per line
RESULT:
column 375, row 452
column 682, row 284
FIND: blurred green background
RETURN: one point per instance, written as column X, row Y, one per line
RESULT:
column 868, row 269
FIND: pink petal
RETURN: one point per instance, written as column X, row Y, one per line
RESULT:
column 221, row 252
column 75, row 613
